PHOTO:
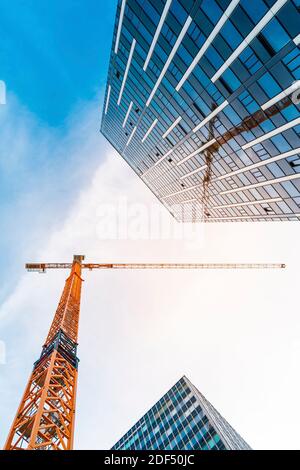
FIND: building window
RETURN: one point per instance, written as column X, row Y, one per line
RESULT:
column 214, row 58
column 250, row 60
column 269, row 85
column 179, row 11
column 231, row 80
column 168, row 34
column 292, row 62
column 231, row 35
column 275, row 35
column 255, row 9
column 212, row 10
column 150, row 11
column 185, row 55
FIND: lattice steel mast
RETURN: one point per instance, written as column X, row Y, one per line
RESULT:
column 45, row 417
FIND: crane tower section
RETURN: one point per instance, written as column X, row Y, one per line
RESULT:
column 45, row 418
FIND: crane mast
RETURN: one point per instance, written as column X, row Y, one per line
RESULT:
column 45, row 418
column 46, row 415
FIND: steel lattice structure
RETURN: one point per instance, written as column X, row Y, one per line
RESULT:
column 45, row 418
column 42, row 267
column 46, row 415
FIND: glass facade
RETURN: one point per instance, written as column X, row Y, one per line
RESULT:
column 202, row 101
column 181, row 420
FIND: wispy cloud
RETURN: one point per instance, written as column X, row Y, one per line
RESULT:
column 41, row 173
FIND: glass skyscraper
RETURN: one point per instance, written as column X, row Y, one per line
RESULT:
column 181, row 420
column 202, row 101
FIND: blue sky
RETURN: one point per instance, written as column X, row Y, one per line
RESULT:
column 234, row 334
column 55, row 53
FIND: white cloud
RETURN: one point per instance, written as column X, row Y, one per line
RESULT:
column 234, row 334
column 42, row 170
